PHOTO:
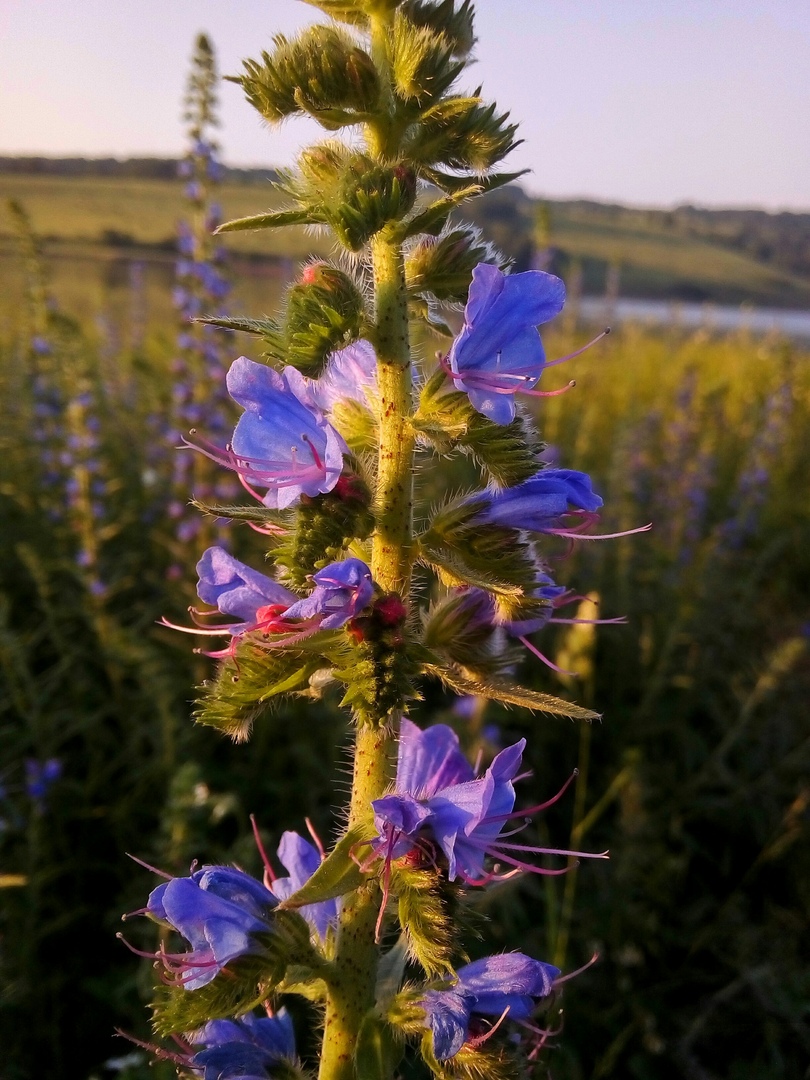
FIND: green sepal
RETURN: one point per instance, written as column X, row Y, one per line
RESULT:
column 259, row 515
column 443, row 267
column 338, row 874
column 378, row 1051
column 456, row 24
column 490, row 1061
column 321, row 70
column 342, row 11
column 246, row 684
column 323, row 527
column 509, row 453
column 272, row 219
column 464, row 552
column 422, row 62
column 244, row 984
column 267, row 329
column 451, row 183
column 475, row 645
column 357, row 425
column 509, row 694
column 248, row 982
column 462, row 133
column 433, row 219
column 427, row 905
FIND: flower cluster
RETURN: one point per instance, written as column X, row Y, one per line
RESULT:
column 331, row 432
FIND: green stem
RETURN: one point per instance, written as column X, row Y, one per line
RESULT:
column 354, row 971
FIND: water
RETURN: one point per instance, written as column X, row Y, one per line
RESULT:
column 713, row 317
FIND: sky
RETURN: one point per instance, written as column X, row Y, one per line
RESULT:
column 651, row 102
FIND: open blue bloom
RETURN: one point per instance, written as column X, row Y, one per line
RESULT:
column 509, row 984
column 498, row 352
column 438, row 803
column 283, row 442
column 350, row 375
column 248, row 1048
column 436, row 792
column 341, row 591
column 236, row 589
column 218, row 910
column 301, row 859
column 539, row 503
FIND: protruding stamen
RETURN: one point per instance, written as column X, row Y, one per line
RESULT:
column 578, row 352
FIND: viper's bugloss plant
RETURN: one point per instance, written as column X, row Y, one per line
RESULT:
column 333, row 431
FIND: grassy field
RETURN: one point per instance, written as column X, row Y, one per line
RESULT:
column 79, row 216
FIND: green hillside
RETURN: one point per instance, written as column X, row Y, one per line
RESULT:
column 687, row 254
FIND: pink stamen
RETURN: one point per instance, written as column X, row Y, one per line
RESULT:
column 315, row 838
column 572, row 534
column 269, row 876
column 620, row 620
column 479, row 1040
column 148, row 866
column 572, row 974
column 578, row 352
column 545, row 659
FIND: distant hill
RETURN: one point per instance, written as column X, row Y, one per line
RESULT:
column 688, row 253
column 137, row 168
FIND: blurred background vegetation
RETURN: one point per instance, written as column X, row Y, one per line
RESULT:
column 696, row 779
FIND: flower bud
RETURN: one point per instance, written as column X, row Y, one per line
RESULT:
column 324, row 313
column 320, row 70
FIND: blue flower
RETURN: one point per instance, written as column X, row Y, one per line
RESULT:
column 350, row 375
column 341, row 591
column 506, row 985
column 438, row 802
column 236, row 589
column 218, row 910
column 39, row 776
column 283, row 442
column 498, row 352
column 436, row 791
column 539, row 503
column 301, row 859
column 247, row 1048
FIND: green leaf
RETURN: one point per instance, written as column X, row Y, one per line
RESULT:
column 378, row 1051
column 259, row 327
column 510, row 694
column 433, row 218
column 338, row 874
column 247, row 682
column 450, row 183
column 455, row 572
column 427, row 903
column 272, row 219
column 260, row 515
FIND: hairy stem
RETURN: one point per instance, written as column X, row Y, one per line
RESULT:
column 352, row 985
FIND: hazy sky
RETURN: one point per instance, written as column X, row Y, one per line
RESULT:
column 643, row 101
